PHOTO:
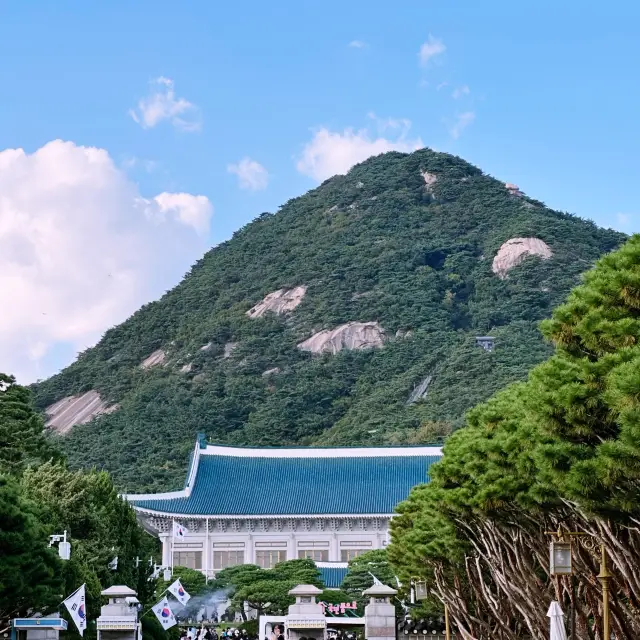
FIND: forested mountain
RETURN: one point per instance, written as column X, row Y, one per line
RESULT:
column 350, row 316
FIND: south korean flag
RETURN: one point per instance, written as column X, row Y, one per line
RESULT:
column 179, row 592
column 164, row 614
column 179, row 531
column 76, row 606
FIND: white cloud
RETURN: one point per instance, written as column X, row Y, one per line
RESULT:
column 431, row 48
column 357, row 44
column 162, row 104
column 80, row 250
column 333, row 152
column 251, row 174
column 462, row 122
column 458, row 92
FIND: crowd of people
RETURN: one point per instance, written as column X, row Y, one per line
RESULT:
column 213, row 633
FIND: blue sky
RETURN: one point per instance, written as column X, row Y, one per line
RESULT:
column 546, row 96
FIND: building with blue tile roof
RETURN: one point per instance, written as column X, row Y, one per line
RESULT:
column 265, row 505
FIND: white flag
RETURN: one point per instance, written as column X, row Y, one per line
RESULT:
column 177, row 590
column 164, row 614
column 76, row 606
column 179, row 531
column 113, row 565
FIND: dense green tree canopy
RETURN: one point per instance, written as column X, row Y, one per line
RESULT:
column 30, row 571
column 378, row 244
column 560, row 451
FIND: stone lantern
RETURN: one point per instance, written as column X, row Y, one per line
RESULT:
column 119, row 618
column 306, row 617
column 380, row 613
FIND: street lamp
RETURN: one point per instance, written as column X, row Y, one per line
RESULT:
column 422, row 593
column 64, row 547
column 560, row 559
column 560, row 564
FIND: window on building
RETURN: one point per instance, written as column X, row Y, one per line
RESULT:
column 317, row 555
column 350, row 554
column 224, row 559
column 190, row 559
column 268, row 558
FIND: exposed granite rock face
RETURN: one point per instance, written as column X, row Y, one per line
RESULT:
column 270, row 372
column 206, row 347
column 513, row 189
column 279, row 302
column 429, row 179
column 514, row 251
column 353, row 335
column 420, row 391
column 228, row 349
column 186, row 368
column 154, row 359
column 73, row 410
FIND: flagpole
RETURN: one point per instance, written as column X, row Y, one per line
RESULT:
column 173, row 535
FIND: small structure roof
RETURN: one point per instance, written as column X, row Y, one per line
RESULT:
column 332, row 576
column 118, row 590
column 305, row 590
column 379, row 590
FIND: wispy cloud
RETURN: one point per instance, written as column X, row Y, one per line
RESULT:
column 463, row 120
column 357, row 44
column 252, row 176
column 133, row 162
column 430, row 49
column 458, row 92
column 162, row 104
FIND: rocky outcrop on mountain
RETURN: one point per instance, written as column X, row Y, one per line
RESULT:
column 270, row 372
column 73, row 410
column 353, row 335
column 278, row 302
column 228, row 349
column 513, row 189
column 514, row 251
column 420, row 391
column 429, row 179
column 154, row 359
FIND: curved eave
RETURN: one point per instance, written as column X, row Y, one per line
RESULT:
column 282, row 516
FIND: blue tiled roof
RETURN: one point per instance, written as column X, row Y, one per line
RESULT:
column 232, row 485
column 332, row 576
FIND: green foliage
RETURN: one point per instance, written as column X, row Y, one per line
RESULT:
column 374, row 245
column 99, row 525
column 266, row 590
column 360, row 575
column 21, row 428
column 560, row 451
column 30, row 571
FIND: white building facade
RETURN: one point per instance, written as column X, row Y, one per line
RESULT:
column 262, row 506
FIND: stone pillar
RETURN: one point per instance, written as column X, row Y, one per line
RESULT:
column 291, row 547
column 249, row 553
column 165, row 538
column 380, row 613
column 334, row 549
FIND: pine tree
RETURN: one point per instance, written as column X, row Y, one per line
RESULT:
column 30, row 571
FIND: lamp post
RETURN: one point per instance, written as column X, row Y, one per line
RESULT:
column 604, row 576
column 560, row 564
column 419, row 587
